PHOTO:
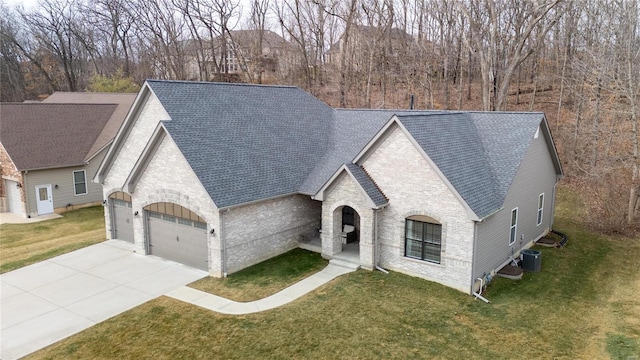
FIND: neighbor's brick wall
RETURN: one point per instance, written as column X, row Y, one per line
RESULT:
column 169, row 178
column 256, row 232
column 346, row 192
column 8, row 171
column 150, row 114
column 414, row 188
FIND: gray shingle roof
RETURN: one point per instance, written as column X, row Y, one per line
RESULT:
column 479, row 153
column 350, row 131
column 246, row 142
column 51, row 135
column 369, row 186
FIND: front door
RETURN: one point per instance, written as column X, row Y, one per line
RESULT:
column 44, row 199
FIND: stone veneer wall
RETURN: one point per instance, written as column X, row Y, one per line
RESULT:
column 414, row 188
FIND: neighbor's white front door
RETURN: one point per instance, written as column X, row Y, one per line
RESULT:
column 44, row 199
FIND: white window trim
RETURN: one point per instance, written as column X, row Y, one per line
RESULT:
column 540, row 212
column 86, row 186
column 513, row 226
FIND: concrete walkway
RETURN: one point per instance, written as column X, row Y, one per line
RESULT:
column 46, row 302
column 11, row 218
column 225, row 306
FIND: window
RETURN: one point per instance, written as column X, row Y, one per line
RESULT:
column 514, row 226
column 80, row 182
column 423, row 240
column 540, row 208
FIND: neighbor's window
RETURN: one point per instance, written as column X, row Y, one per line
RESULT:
column 540, row 208
column 80, row 182
column 423, row 240
column 514, row 226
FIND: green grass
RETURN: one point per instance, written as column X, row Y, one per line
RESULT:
column 25, row 244
column 266, row 278
column 585, row 304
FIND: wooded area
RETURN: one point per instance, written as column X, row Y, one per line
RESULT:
column 578, row 61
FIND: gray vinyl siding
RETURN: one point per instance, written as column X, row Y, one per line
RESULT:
column 535, row 176
column 63, row 177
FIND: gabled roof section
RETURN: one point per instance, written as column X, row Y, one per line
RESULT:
column 245, row 142
column 40, row 136
column 376, row 197
column 505, row 138
column 350, row 131
column 368, row 185
column 453, row 144
column 122, row 100
column 478, row 152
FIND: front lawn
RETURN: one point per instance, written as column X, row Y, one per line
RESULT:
column 266, row 278
column 585, row 304
column 25, row 244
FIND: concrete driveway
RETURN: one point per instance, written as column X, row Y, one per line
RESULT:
column 46, row 302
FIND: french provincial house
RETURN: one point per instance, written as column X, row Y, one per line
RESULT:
column 223, row 176
column 51, row 150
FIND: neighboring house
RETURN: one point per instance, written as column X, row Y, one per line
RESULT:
column 50, row 151
column 222, row 176
column 245, row 56
column 368, row 43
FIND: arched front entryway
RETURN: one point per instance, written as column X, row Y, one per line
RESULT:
column 346, row 230
column 121, row 216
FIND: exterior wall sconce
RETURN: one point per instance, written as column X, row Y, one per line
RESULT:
column 104, row 203
column 212, row 231
column 55, row 186
column 18, row 185
column 136, row 213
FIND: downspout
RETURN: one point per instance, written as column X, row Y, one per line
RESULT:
column 478, row 294
column 473, row 256
column 223, row 247
column 552, row 213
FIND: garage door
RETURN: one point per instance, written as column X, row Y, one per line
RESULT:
column 178, row 239
column 13, row 197
column 121, row 216
column 122, row 220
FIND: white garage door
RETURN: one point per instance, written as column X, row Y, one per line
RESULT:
column 122, row 218
column 178, row 239
column 13, row 197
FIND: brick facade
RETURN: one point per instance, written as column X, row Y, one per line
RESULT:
column 413, row 187
column 244, row 235
column 346, row 192
column 9, row 171
column 257, row 232
column 150, row 114
column 169, row 178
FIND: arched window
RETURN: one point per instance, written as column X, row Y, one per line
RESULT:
column 423, row 238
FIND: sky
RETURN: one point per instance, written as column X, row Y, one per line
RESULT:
column 26, row 3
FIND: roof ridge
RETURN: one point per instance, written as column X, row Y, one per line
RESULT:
column 224, row 83
column 373, row 181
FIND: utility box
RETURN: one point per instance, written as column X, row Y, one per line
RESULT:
column 531, row 260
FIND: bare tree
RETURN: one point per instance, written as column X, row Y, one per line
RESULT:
column 505, row 34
